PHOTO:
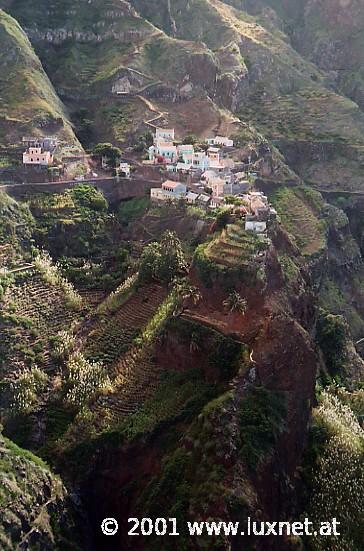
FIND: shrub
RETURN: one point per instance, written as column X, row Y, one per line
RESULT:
column 117, row 297
column 261, row 419
column 62, row 344
column 84, row 379
column 25, row 390
column 338, row 476
column 205, row 267
column 331, row 337
column 162, row 261
column 51, row 274
column 235, row 303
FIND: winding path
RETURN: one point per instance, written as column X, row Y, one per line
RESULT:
column 153, row 109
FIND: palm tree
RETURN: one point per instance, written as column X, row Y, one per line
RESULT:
column 185, row 291
column 235, row 303
column 191, row 292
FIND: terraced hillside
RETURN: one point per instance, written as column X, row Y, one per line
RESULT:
column 234, row 247
column 111, row 335
column 327, row 32
column 33, row 311
column 16, row 224
column 74, row 226
column 301, row 214
column 135, row 374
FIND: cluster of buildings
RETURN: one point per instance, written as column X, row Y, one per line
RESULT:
column 184, row 157
column 259, row 212
column 211, row 167
column 39, row 151
column 253, row 206
column 218, row 180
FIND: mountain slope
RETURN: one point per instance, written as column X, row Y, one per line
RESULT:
column 328, row 32
column 196, row 65
column 29, row 104
column 268, row 83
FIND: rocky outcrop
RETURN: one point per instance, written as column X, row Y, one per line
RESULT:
column 61, row 35
column 35, row 508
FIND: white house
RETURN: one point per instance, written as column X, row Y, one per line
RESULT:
column 220, row 140
column 169, row 191
column 191, row 197
column 164, row 151
column 200, row 160
column 176, row 188
column 35, row 156
column 164, row 135
column 124, row 170
column 185, row 150
column 255, row 226
column 216, row 202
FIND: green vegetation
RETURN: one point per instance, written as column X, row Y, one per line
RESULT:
column 52, row 276
column 16, row 224
column 229, row 257
column 261, row 419
column 22, row 76
column 33, row 500
column 179, row 397
column 235, row 303
column 290, row 269
column 78, row 231
column 222, row 354
column 109, row 151
column 84, row 379
column 132, row 209
column 193, row 472
column 331, row 337
column 162, row 261
column 338, row 300
column 24, row 393
column 300, row 213
column 121, row 294
column 334, row 474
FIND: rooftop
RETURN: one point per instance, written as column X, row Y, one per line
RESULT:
column 172, row 184
column 204, row 198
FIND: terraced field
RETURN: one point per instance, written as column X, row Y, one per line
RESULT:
column 110, row 335
column 37, row 311
column 234, row 247
column 135, row 372
column 138, row 378
column 311, row 114
column 92, row 297
column 301, row 220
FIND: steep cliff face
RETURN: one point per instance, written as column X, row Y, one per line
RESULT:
column 235, row 455
column 35, row 507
